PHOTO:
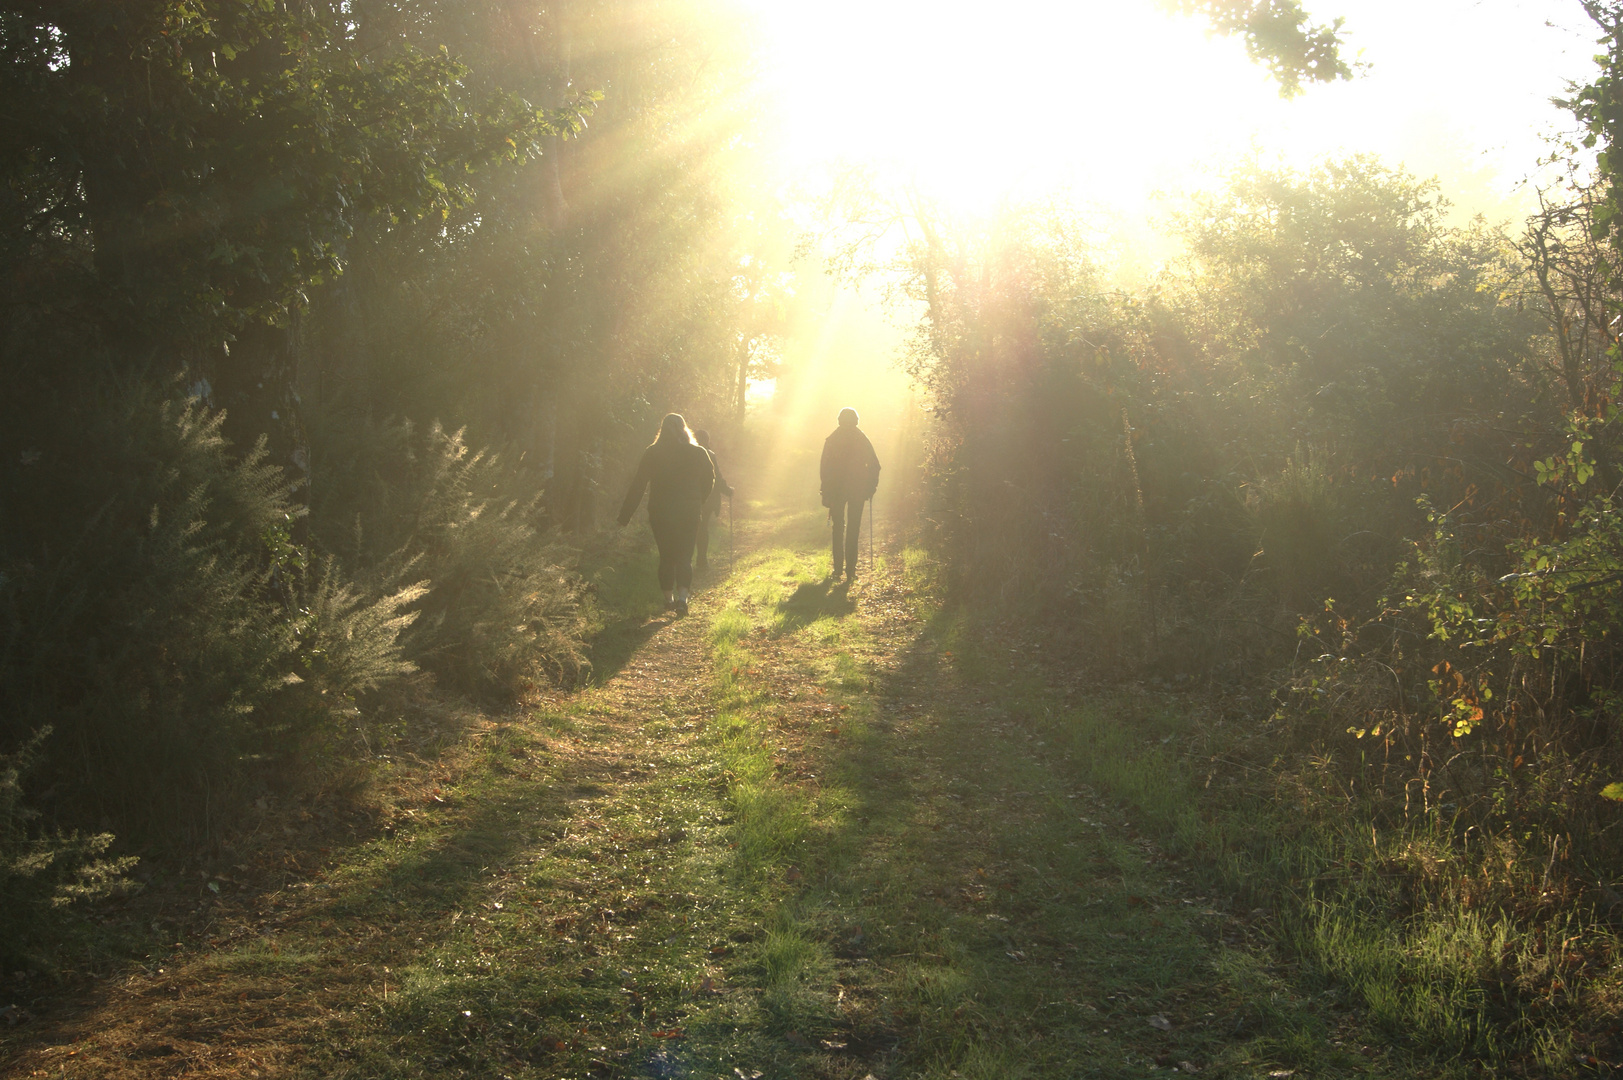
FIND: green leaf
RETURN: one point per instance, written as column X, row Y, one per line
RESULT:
column 1613, row 791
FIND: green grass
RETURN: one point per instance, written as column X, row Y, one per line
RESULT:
column 952, row 912
column 1432, row 977
column 866, row 838
column 622, row 572
column 263, row 956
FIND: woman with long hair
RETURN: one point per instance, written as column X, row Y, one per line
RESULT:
column 678, row 474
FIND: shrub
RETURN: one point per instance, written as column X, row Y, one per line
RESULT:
column 43, row 872
column 155, row 610
column 501, row 611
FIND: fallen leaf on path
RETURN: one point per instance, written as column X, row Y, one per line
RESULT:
column 1017, row 956
column 669, row 1033
column 830, row 1044
column 793, row 874
column 1188, row 1066
column 1160, row 1023
column 1281, row 1074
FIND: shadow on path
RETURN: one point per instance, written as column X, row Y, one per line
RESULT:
column 978, row 905
column 815, row 600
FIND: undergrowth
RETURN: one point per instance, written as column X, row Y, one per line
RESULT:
column 1420, row 927
column 195, row 642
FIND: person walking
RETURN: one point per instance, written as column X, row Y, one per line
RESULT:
column 712, row 505
column 850, row 475
column 678, row 475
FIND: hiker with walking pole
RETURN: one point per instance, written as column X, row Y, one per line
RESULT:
column 850, row 476
column 678, row 475
column 712, row 506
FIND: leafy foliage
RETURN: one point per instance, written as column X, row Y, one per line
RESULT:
column 40, row 872
column 237, row 234
column 1339, row 458
column 1197, row 465
column 1279, row 35
column 224, row 151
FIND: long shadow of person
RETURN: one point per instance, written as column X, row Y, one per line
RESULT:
column 815, row 600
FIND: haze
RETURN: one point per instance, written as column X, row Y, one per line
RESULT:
column 1113, row 102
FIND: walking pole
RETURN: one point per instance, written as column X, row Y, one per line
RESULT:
column 872, row 524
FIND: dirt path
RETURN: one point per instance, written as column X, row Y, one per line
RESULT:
column 809, row 831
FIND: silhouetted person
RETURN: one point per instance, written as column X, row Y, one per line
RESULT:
column 712, row 505
column 678, row 474
column 850, row 477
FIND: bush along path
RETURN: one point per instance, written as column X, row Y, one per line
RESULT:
column 809, row 831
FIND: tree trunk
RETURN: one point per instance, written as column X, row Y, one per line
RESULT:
column 120, row 182
column 741, row 391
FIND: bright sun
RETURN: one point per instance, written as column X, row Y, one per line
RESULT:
column 1112, row 101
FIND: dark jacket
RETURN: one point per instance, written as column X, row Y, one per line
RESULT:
column 850, row 468
column 712, row 505
column 678, row 478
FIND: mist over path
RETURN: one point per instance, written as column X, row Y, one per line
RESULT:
column 809, row 831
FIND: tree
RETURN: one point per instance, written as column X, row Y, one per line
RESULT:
column 1278, row 35
column 1568, row 259
column 564, row 304
column 196, row 167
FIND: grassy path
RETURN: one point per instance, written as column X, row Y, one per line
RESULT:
column 809, row 831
